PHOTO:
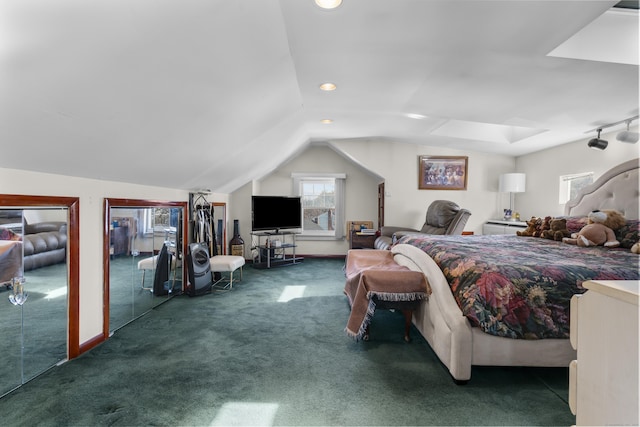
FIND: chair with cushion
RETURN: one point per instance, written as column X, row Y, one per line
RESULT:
column 443, row 217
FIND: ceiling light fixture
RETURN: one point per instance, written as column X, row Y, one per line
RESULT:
column 328, row 4
column 326, row 121
column 327, row 87
column 626, row 136
column 597, row 143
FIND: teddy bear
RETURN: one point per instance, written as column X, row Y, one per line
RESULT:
column 599, row 230
column 544, row 226
column 558, row 230
column 532, row 226
column 635, row 248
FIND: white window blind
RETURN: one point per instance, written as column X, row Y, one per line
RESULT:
column 322, row 204
column 570, row 185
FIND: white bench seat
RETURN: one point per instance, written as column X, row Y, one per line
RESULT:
column 226, row 264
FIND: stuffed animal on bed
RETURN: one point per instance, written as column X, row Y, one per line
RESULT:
column 558, row 230
column 599, row 230
column 532, row 226
column 544, row 226
column 635, row 248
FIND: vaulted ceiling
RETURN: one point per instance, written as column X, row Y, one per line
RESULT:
column 196, row 94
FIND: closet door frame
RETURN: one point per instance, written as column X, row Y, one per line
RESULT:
column 132, row 203
column 73, row 256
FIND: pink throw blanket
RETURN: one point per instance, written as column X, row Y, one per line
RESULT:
column 374, row 273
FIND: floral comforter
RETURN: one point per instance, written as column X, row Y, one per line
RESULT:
column 520, row 287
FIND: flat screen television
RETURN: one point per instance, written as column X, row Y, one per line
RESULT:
column 275, row 213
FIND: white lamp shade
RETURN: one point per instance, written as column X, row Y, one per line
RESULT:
column 512, row 183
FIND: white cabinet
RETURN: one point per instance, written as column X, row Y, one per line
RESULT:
column 603, row 381
column 499, row 226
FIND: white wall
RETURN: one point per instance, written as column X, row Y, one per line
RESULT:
column 544, row 168
column 371, row 162
column 44, row 215
column 360, row 194
column 91, row 194
column 406, row 205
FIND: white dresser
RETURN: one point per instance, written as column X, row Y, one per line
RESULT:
column 603, row 381
column 501, row 226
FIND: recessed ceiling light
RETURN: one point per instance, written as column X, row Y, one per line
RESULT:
column 328, row 4
column 327, row 86
column 326, row 121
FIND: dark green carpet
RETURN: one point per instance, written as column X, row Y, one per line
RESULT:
column 242, row 357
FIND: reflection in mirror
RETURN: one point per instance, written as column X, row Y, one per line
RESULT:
column 33, row 292
column 145, row 249
column 220, row 224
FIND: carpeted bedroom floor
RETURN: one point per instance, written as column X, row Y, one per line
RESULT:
column 273, row 351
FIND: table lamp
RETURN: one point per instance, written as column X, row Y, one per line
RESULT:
column 511, row 183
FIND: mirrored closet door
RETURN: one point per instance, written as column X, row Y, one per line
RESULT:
column 144, row 248
column 220, row 226
column 38, row 324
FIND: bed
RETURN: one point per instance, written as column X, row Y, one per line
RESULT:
column 514, row 291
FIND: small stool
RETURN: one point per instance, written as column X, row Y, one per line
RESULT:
column 226, row 263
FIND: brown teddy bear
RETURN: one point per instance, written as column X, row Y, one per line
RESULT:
column 544, row 226
column 558, row 230
column 532, row 226
column 599, row 230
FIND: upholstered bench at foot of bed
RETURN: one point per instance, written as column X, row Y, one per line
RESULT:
column 226, row 264
column 375, row 280
column 405, row 307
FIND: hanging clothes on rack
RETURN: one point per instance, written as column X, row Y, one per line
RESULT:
column 205, row 232
column 202, row 224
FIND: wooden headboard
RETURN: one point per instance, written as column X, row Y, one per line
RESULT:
column 618, row 188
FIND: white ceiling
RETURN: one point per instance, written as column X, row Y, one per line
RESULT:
column 196, row 94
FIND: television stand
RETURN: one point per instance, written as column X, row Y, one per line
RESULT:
column 273, row 251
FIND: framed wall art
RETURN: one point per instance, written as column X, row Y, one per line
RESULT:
column 442, row 172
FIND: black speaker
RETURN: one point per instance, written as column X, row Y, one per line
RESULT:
column 199, row 268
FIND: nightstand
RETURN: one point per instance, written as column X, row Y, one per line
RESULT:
column 501, row 226
column 361, row 240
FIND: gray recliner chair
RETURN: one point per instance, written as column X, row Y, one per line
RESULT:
column 443, row 217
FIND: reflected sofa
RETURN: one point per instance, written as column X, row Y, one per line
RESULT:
column 45, row 243
column 42, row 244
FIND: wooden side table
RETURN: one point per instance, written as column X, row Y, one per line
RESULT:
column 361, row 240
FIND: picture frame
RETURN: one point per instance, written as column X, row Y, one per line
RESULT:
column 442, row 172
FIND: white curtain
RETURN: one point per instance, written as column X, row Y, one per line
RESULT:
column 340, row 202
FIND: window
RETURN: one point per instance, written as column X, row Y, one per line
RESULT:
column 570, row 185
column 322, row 205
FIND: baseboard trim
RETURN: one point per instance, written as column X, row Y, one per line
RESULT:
column 322, row 256
column 250, row 261
column 88, row 345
